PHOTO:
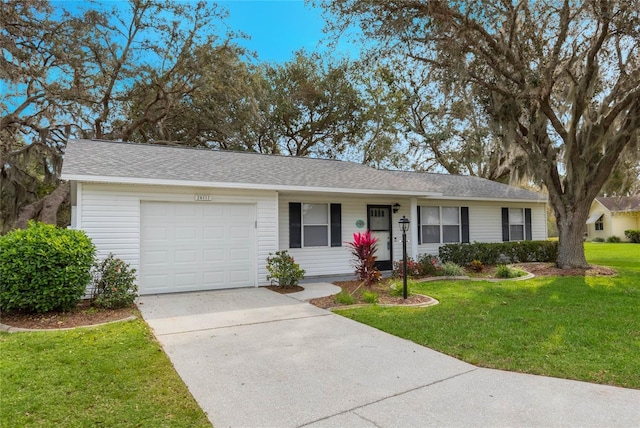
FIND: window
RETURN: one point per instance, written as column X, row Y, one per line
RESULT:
column 599, row 224
column 443, row 224
column 516, row 224
column 314, row 225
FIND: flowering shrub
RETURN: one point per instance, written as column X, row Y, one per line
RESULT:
column 114, row 284
column 363, row 248
column 426, row 265
column 283, row 270
column 413, row 268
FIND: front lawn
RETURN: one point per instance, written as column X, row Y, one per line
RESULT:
column 585, row 328
column 114, row 375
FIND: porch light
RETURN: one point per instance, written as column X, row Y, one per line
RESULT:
column 404, row 226
column 396, row 207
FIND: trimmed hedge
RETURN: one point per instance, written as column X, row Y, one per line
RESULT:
column 633, row 235
column 500, row 252
column 43, row 268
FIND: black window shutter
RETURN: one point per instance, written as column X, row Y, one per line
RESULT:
column 419, row 227
column 464, row 213
column 505, row 224
column 336, row 225
column 528, row 234
column 295, row 225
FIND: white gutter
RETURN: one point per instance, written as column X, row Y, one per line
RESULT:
column 244, row 186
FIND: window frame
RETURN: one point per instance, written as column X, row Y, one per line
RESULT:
column 522, row 224
column 441, row 225
column 599, row 224
column 327, row 225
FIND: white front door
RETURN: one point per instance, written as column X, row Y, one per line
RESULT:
column 196, row 246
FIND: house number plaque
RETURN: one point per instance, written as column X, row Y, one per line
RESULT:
column 204, row 198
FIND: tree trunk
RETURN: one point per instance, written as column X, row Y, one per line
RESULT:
column 571, row 224
column 45, row 209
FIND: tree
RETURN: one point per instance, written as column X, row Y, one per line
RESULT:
column 314, row 108
column 73, row 75
column 559, row 81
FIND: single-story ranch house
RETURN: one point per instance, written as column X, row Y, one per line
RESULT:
column 612, row 216
column 190, row 219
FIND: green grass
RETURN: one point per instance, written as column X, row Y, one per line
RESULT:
column 585, row 328
column 115, row 375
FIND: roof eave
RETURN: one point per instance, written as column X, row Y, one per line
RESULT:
column 244, row 186
column 494, row 199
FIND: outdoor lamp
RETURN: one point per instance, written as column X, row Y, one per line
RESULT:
column 404, row 226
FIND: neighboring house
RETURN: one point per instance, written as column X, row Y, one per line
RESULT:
column 190, row 219
column 612, row 216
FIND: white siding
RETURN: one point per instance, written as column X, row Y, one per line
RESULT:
column 110, row 214
column 485, row 221
column 337, row 260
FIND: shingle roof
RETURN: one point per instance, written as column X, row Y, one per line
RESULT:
column 106, row 161
column 621, row 204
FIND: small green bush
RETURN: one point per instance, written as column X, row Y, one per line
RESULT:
column 283, row 270
column 114, row 284
column 345, row 298
column 597, row 239
column 490, row 253
column 451, row 269
column 504, row 271
column 370, row 297
column 613, row 239
column 633, row 235
column 43, row 268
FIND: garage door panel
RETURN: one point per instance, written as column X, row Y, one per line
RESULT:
column 191, row 246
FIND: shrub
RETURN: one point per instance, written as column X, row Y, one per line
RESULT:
column 370, row 297
column 428, row 264
column 451, row 269
column 597, row 239
column 477, row 266
column 413, row 268
column 613, row 239
column 494, row 252
column 283, row 270
column 633, row 235
column 344, row 298
column 504, row 271
column 363, row 249
column 113, row 284
column 43, row 268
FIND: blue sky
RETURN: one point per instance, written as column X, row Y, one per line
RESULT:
column 277, row 27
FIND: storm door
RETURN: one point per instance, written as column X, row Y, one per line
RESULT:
column 379, row 222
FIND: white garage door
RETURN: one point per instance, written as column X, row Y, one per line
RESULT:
column 194, row 246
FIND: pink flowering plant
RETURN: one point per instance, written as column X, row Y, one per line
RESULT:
column 363, row 248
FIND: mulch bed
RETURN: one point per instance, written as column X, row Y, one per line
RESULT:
column 83, row 315
column 355, row 288
column 283, row 290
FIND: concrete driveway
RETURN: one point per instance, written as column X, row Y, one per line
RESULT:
column 255, row 358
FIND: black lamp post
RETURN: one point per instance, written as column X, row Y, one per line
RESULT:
column 404, row 226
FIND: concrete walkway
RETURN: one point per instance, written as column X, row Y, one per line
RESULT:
column 255, row 358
